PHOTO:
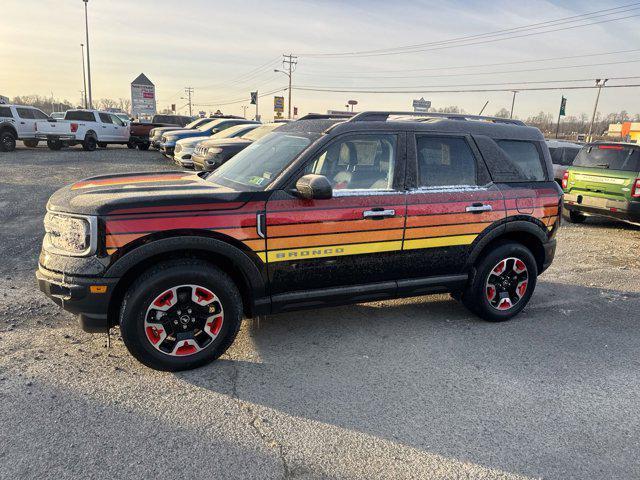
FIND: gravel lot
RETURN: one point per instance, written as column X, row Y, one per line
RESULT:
column 415, row 388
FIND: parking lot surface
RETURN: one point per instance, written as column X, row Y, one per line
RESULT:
column 413, row 388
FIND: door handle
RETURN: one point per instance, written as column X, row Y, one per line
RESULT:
column 373, row 214
column 479, row 208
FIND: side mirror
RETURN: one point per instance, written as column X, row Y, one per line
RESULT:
column 314, row 187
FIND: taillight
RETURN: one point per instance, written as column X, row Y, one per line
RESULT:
column 635, row 190
column 565, row 179
column 74, row 127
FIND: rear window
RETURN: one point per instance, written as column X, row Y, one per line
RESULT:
column 563, row 155
column 612, row 157
column 526, row 157
column 80, row 116
column 6, row 112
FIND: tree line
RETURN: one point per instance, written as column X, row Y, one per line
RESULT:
column 51, row 104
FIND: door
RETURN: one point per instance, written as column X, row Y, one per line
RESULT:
column 26, row 122
column 106, row 130
column 121, row 131
column 452, row 202
column 351, row 239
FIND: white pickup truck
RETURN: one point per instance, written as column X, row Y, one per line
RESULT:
column 18, row 122
column 89, row 128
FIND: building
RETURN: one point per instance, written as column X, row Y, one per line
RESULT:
column 627, row 131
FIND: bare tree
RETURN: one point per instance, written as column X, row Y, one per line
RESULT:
column 124, row 104
column 503, row 113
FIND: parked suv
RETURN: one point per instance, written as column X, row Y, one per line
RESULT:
column 319, row 212
column 604, row 181
column 18, row 122
column 562, row 156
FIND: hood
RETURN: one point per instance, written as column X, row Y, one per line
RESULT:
column 166, row 129
column 143, row 192
column 192, row 141
column 226, row 142
column 184, row 133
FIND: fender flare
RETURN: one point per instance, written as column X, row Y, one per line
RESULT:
column 10, row 128
column 248, row 269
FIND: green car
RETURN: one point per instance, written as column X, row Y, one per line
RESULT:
column 604, row 181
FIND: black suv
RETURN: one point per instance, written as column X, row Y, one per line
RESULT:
column 320, row 212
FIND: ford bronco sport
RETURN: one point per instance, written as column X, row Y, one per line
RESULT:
column 320, row 212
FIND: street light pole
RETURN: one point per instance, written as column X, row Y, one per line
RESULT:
column 513, row 101
column 84, row 77
column 86, row 27
column 595, row 106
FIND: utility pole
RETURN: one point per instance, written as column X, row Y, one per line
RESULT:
column 86, row 27
column 189, row 91
column 290, row 61
column 595, row 106
column 84, row 78
column 513, row 101
column 244, row 110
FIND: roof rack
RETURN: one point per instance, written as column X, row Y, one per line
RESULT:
column 326, row 116
column 384, row 116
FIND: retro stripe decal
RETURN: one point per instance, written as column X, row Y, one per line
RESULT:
column 439, row 242
column 130, row 180
column 330, row 251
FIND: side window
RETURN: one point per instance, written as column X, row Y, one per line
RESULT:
column 445, row 161
column 358, row 162
column 118, row 121
column 5, row 112
column 25, row 112
column 39, row 114
column 105, row 118
column 527, row 158
column 80, row 116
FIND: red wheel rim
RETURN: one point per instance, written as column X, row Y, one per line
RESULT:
column 507, row 283
column 183, row 320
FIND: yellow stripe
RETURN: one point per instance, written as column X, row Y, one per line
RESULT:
column 439, row 242
column 262, row 256
column 332, row 251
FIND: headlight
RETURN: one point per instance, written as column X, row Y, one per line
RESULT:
column 73, row 235
column 213, row 151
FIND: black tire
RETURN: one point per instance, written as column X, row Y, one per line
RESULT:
column 54, row 144
column 159, row 279
column 90, row 143
column 575, row 217
column 102, row 145
column 143, row 146
column 31, row 143
column 476, row 295
column 131, row 145
column 7, row 141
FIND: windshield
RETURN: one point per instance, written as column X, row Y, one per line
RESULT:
column 196, row 122
column 259, row 132
column 231, row 131
column 613, row 157
column 255, row 167
column 209, row 125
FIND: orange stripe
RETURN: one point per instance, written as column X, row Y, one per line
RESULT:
column 333, row 227
column 122, row 240
column 450, row 218
column 445, row 230
column 256, row 245
column 333, row 239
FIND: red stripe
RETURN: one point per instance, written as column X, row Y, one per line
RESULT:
column 443, row 208
column 301, row 217
column 176, row 223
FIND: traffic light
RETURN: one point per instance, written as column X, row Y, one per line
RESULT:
column 254, row 98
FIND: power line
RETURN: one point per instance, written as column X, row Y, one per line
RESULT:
column 359, row 74
column 241, row 100
column 470, row 40
column 251, row 74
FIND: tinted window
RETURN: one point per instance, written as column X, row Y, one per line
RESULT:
column 526, row 157
column 117, row 120
column 444, row 162
column 39, row 114
column 105, row 118
column 24, row 112
column 563, row 155
column 79, row 115
column 358, row 162
column 613, row 157
column 6, row 112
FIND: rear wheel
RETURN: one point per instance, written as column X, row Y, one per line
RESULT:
column 31, row 143
column 575, row 217
column 54, row 144
column 7, row 141
column 143, row 146
column 180, row 315
column 131, row 145
column 504, row 281
column 90, row 143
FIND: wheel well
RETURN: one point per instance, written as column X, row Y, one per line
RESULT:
column 527, row 239
column 91, row 133
column 220, row 261
column 10, row 129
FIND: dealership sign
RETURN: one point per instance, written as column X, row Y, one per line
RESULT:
column 143, row 96
column 421, row 105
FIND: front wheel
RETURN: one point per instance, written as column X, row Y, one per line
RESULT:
column 7, row 142
column 180, row 314
column 504, row 281
column 575, row 217
column 143, row 146
column 131, row 145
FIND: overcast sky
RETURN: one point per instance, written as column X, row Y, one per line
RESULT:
column 211, row 45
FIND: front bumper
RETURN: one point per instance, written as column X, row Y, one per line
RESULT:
column 184, row 157
column 55, row 137
column 75, row 295
column 167, row 150
column 602, row 206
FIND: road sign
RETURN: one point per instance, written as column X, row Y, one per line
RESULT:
column 143, row 96
column 254, row 98
column 563, row 106
column 352, row 102
column 421, row 105
column 278, row 104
